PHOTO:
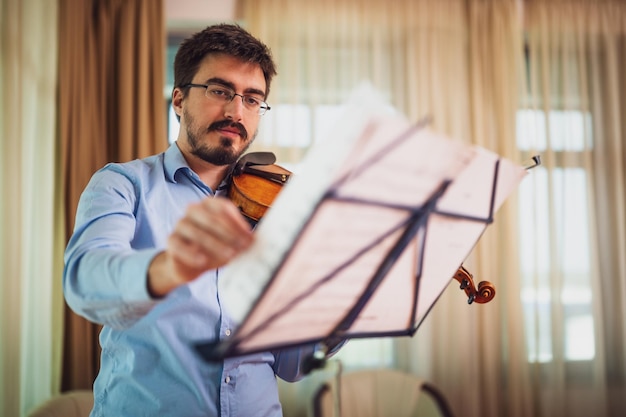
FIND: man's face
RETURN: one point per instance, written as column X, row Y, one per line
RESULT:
column 219, row 132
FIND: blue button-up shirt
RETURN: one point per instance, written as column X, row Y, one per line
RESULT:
column 148, row 364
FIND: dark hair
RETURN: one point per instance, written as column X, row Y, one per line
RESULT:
column 223, row 38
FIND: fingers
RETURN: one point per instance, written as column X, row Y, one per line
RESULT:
column 216, row 222
column 210, row 235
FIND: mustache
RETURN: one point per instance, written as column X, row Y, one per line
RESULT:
column 229, row 123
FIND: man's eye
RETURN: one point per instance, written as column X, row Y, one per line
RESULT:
column 220, row 93
column 252, row 101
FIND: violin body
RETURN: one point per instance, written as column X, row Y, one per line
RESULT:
column 254, row 189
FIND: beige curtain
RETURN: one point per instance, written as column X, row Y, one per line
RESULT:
column 324, row 49
column 476, row 354
column 459, row 62
column 111, row 109
column 577, row 56
column 489, row 72
column 30, row 271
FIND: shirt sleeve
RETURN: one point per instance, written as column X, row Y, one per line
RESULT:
column 105, row 278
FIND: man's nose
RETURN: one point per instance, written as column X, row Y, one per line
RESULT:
column 234, row 109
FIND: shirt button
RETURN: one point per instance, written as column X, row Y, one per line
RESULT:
column 227, row 332
column 227, row 379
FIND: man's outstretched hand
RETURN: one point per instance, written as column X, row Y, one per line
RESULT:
column 210, row 235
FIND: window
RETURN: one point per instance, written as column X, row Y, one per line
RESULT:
column 554, row 205
column 172, row 123
column 174, row 39
column 296, row 125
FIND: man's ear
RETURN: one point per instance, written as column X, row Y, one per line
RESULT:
column 177, row 101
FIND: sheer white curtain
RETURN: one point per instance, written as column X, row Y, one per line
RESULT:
column 553, row 340
column 460, row 62
column 477, row 353
column 414, row 52
column 30, row 262
column 574, row 115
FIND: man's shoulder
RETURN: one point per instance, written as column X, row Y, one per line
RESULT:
column 136, row 167
column 141, row 172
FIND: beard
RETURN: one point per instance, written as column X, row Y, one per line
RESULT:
column 222, row 154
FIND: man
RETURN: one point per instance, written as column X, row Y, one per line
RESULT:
column 150, row 241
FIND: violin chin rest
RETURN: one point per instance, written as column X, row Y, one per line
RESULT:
column 258, row 158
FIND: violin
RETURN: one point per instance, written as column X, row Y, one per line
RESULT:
column 255, row 181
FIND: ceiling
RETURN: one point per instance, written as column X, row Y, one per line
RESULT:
column 198, row 13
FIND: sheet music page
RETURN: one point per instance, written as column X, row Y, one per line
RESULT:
column 337, row 221
column 244, row 279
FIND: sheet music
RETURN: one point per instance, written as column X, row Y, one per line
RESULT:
column 245, row 278
column 336, row 222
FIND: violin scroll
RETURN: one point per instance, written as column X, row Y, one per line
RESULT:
column 481, row 294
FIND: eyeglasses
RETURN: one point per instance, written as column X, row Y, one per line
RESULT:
column 223, row 95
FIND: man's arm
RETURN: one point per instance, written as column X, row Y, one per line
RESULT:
column 102, row 279
column 110, row 281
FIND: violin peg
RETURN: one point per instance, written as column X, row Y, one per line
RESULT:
column 481, row 294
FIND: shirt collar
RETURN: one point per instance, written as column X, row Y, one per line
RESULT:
column 174, row 161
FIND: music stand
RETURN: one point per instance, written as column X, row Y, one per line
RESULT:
column 365, row 239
